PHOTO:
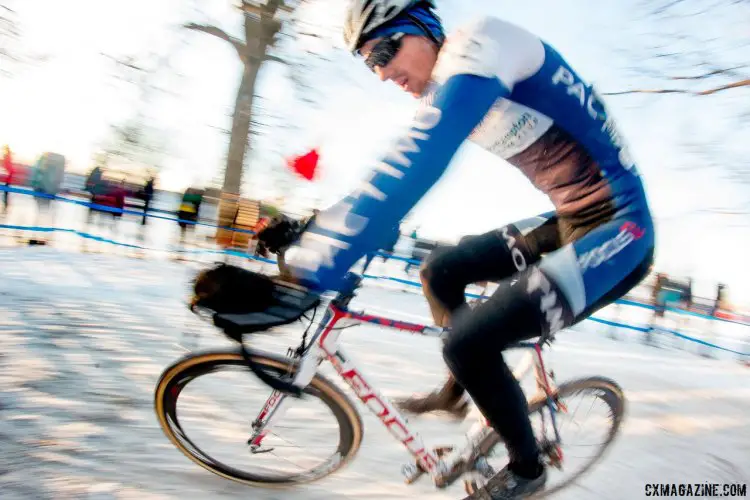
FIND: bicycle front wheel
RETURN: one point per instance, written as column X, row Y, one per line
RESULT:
column 206, row 404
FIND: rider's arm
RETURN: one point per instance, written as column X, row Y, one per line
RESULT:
column 363, row 221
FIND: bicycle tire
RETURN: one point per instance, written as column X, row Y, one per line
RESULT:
column 611, row 393
column 182, row 372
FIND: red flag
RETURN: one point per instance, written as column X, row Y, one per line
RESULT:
column 305, row 165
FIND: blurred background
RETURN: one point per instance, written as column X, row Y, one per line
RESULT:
column 164, row 132
column 160, row 91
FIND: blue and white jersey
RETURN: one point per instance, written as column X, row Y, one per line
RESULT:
column 509, row 92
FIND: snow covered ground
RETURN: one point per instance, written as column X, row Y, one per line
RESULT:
column 84, row 337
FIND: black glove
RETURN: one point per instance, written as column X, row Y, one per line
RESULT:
column 279, row 234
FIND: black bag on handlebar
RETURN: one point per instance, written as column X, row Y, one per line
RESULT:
column 244, row 301
column 247, row 302
column 232, row 289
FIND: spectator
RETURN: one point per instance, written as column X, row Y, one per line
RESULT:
column 721, row 304
column 415, row 240
column 46, row 181
column 147, row 195
column 94, row 181
column 686, row 304
column 687, row 297
column 119, row 193
column 658, row 301
column 188, row 212
column 106, row 194
column 8, row 167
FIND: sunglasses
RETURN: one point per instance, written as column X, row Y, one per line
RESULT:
column 384, row 51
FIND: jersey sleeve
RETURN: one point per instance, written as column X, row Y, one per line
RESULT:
column 363, row 221
column 491, row 47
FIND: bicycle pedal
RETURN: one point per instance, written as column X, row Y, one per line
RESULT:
column 483, row 468
column 411, row 472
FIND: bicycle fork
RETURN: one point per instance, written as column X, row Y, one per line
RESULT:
column 275, row 405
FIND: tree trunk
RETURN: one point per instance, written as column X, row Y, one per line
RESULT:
column 240, row 136
column 238, row 146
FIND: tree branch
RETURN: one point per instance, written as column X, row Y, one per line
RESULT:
column 650, row 91
column 309, row 34
column 126, row 62
column 238, row 44
column 275, row 59
column 741, row 83
column 706, row 75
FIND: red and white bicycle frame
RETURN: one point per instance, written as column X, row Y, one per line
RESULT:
column 325, row 346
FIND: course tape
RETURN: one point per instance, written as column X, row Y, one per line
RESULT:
column 149, row 214
column 628, row 302
column 666, row 330
column 105, row 208
column 379, row 254
column 236, row 253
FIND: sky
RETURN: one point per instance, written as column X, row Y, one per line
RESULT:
column 681, row 143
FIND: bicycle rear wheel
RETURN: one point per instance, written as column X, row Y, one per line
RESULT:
column 206, row 409
column 599, row 391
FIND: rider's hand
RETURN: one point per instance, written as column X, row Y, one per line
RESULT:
column 279, row 234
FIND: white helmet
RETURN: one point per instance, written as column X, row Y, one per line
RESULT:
column 364, row 16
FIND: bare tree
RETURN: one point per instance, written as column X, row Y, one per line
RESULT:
column 11, row 49
column 275, row 31
column 261, row 23
column 745, row 82
column 9, row 32
column 137, row 138
column 704, row 44
column 696, row 49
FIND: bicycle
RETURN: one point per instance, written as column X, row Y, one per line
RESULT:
column 294, row 378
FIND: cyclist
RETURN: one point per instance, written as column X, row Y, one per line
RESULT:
column 511, row 93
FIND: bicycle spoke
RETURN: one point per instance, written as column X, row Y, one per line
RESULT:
column 208, row 420
column 585, row 419
column 586, row 430
column 317, row 428
column 584, row 445
column 287, row 460
column 291, row 444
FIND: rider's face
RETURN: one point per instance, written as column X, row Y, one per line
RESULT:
column 411, row 67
